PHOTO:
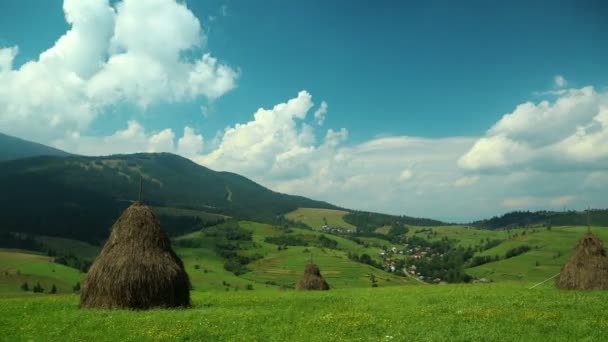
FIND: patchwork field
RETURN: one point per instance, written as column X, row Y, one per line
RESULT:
column 282, row 267
column 261, row 304
column 498, row 312
column 315, row 218
column 464, row 235
column 285, row 268
column 549, row 251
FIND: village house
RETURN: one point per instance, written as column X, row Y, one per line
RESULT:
column 337, row 230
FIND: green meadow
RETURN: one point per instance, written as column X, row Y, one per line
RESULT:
column 261, row 304
column 316, row 218
column 464, row 235
column 483, row 312
column 550, row 249
column 281, row 267
column 18, row 267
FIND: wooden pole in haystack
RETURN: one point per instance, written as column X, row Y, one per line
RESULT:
column 588, row 220
column 141, row 181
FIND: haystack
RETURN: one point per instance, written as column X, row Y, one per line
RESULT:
column 312, row 279
column 136, row 269
column 587, row 268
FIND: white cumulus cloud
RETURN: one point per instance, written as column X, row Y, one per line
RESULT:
column 560, row 81
column 132, row 139
column 190, row 144
column 569, row 133
column 140, row 52
column 277, row 143
column 7, row 55
column 320, row 113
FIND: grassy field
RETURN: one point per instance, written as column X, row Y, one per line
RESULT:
column 495, row 312
column 285, row 268
column 550, row 250
column 17, row 268
column 466, row 236
column 399, row 309
column 313, row 217
column 206, row 269
column 282, row 267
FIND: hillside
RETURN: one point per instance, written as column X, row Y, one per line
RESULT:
column 549, row 250
column 15, row 148
column 317, row 218
column 229, row 256
column 519, row 219
column 80, row 197
column 19, row 267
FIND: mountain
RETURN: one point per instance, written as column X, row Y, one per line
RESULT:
column 80, row 197
column 15, row 148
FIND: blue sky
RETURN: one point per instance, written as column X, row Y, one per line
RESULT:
column 390, row 72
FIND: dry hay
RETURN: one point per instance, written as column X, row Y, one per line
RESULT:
column 312, row 279
column 136, row 269
column 587, row 268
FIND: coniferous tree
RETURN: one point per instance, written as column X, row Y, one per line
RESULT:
column 38, row 288
column 372, row 278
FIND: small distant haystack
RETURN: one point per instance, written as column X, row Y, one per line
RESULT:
column 312, row 279
column 136, row 269
column 587, row 268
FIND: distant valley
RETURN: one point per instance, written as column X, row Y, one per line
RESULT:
column 234, row 233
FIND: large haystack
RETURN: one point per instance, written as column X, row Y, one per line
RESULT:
column 587, row 268
column 136, row 269
column 312, row 279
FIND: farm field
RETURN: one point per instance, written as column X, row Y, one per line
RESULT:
column 18, row 267
column 286, row 267
column 501, row 312
column 549, row 251
column 464, row 235
column 283, row 267
column 205, row 267
column 313, row 217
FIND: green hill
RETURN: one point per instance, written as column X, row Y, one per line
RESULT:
column 549, row 250
column 80, row 197
column 316, row 217
column 273, row 263
column 465, row 236
column 15, row 148
column 518, row 219
column 226, row 257
column 19, row 267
